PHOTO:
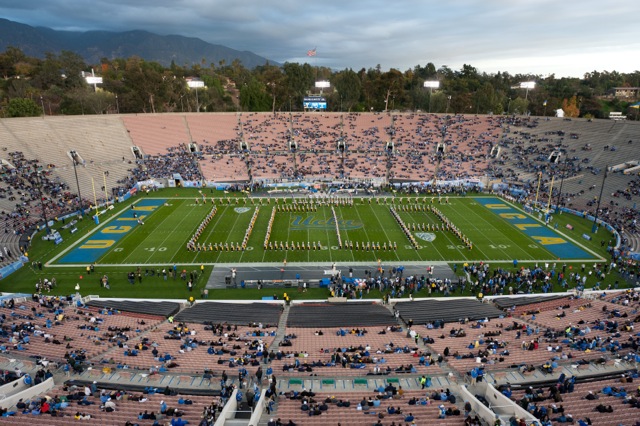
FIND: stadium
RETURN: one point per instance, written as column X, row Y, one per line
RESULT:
column 319, row 268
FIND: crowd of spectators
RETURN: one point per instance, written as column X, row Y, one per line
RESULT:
column 90, row 402
column 534, row 149
column 547, row 277
column 178, row 160
column 22, row 180
column 388, row 146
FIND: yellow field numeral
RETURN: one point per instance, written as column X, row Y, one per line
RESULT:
column 547, row 241
column 116, row 229
column 523, row 226
column 513, row 216
column 98, row 244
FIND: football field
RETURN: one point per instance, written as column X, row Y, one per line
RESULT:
column 159, row 230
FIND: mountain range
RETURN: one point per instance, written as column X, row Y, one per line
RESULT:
column 95, row 45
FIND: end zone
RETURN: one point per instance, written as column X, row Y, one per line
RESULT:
column 95, row 246
column 548, row 238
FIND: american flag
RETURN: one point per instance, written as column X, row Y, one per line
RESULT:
column 311, row 52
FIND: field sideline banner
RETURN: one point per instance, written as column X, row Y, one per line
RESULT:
column 447, row 183
column 12, row 267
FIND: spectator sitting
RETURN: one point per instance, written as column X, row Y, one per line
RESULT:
column 568, row 418
column 109, row 406
column 591, row 396
column 602, row 409
column 443, row 412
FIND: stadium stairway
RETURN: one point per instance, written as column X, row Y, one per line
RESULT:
column 282, row 325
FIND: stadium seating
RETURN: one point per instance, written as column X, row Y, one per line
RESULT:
column 193, row 358
column 105, row 145
column 208, row 132
column 290, row 409
column 126, row 409
column 576, row 404
column 156, row 133
column 385, row 147
column 392, row 352
column 104, row 341
column 62, row 330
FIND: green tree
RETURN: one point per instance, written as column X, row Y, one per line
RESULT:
column 71, row 66
column 275, row 83
column 23, row 107
column 518, row 106
column 487, row 100
column 348, row 89
column 19, row 88
column 391, row 89
column 438, row 102
column 9, row 60
column 254, row 97
column 299, row 79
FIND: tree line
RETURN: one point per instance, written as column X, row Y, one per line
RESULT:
column 55, row 85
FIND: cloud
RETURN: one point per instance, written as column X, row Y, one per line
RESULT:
column 542, row 37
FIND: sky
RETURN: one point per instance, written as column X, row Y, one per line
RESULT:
column 540, row 37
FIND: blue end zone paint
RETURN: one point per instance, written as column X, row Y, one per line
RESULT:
column 543, row 235
column 102, row 241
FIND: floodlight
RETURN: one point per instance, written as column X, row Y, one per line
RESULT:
column 528, row 85
column 195, row 84
column 432, row 84
column 93, row 80
column 322, row 84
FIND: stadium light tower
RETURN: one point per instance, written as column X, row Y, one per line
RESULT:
column 527, row 85
column 434, row 84
column 38, row 171
column 194, row 83
column 594, row 228
column 75, row 171
column 564, row 170
column 92, row 79
column 322, row 84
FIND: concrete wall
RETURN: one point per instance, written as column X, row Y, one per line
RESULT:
column 258, row 409
column 11, row 388
column 500, row 404
column 477, row 407
column 229, row 410
column 28, row 393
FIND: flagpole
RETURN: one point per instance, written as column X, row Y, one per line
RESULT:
column 315, row 58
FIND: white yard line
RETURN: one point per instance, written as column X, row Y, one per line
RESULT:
column 385, row 232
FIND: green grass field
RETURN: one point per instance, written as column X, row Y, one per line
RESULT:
column 162, row 240
column 164, row 236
